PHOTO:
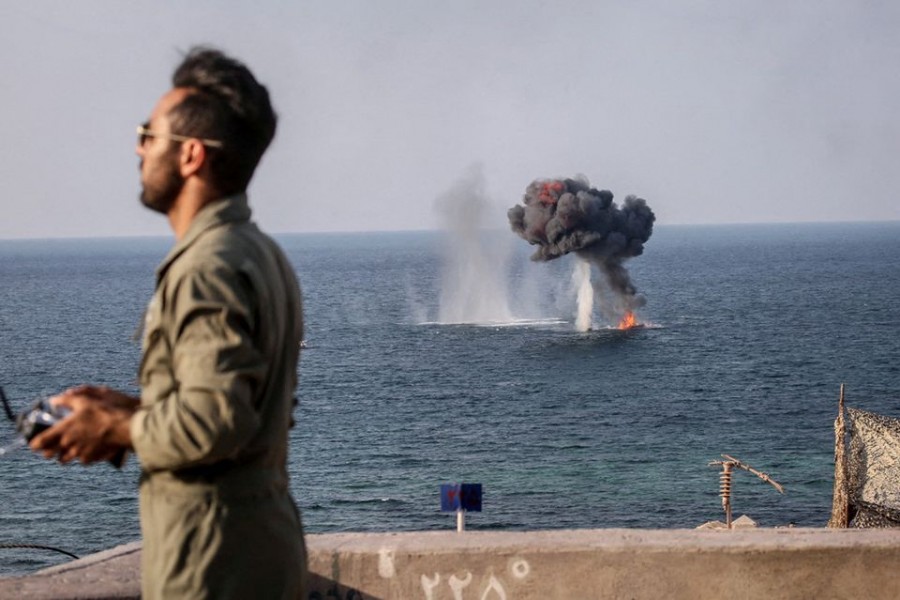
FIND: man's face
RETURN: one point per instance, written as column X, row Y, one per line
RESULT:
column 161, row 180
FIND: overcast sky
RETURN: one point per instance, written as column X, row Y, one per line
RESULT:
column 716, row 111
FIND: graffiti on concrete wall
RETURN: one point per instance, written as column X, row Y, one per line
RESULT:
column 490, row 587
column 482, row 584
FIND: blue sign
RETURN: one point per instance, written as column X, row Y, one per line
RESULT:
column 461, row 496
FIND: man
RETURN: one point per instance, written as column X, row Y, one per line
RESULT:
column 219, row 362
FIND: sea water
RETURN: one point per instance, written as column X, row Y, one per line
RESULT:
column 429, row 363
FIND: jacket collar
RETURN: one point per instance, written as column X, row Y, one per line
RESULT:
column 231, row 209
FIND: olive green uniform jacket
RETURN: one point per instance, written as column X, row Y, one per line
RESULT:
column 219, row 368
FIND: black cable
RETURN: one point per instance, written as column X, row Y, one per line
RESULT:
column 38, row 547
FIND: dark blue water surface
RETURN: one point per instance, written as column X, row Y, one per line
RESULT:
column 751, row 330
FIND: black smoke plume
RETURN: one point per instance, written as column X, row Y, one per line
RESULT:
column 560, row 216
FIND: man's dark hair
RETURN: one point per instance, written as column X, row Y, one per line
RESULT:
column 227, row 104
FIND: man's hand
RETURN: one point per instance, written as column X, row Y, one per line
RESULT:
column 98, row 428
column 104, row 395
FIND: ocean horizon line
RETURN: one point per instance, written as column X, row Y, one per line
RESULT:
column 375, row 232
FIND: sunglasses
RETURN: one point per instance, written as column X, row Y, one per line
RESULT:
column 144, row 133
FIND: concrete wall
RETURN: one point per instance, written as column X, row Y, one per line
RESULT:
column 569, row 564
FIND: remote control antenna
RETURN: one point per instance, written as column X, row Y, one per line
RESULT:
column 6, row 407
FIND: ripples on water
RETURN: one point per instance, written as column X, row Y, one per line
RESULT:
column 753, row 330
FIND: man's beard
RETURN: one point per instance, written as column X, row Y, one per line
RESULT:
column 160, row 193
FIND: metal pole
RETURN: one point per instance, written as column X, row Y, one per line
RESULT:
column 460, row 520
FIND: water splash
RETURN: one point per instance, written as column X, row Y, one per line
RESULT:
column 473, row 279
column 581, row 277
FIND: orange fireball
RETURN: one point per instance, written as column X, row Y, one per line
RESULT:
column 628, row 321
column 550, row 192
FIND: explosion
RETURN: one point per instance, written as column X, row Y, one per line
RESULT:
column 628, row 321
column 560, row 216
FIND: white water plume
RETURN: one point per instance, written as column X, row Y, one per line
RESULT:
column 581, row 277
column 473, row 282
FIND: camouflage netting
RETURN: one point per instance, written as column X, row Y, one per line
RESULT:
column 873, row 470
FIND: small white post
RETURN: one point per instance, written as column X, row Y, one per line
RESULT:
column 460, row 520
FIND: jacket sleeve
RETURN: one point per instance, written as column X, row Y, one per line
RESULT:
column 209, row 415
